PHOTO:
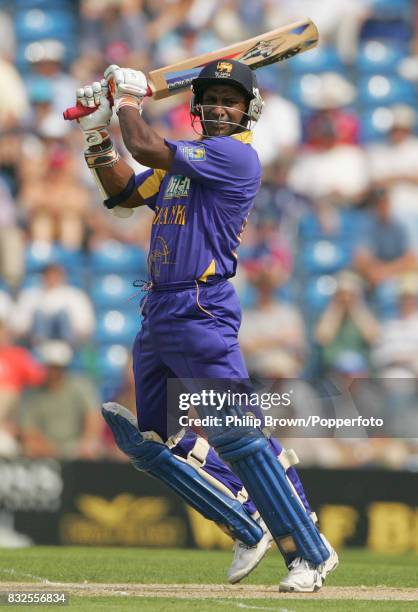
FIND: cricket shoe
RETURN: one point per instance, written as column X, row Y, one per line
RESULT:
column 303, row 577
column 332, row 562
column 246, row 558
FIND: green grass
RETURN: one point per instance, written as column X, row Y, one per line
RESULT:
column 109, row 565
column 129, row 565
column 145, row 604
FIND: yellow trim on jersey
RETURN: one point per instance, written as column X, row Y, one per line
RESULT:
column 151, row 185
column 210, row 271
column 245, row 137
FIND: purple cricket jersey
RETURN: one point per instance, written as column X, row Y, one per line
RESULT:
column 200, row 207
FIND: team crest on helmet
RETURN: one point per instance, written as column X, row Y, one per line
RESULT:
column 224, row 67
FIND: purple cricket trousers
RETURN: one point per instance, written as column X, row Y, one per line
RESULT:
column 190, row 330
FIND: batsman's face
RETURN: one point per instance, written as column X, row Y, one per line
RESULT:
column 223, row 109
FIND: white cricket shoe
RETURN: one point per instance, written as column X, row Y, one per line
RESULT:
column 303, row 577
column 332, row 562
column 246, row 558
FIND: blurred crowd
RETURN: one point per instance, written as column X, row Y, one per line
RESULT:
column 329, row 260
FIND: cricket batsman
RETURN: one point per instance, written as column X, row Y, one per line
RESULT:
column 201, row 192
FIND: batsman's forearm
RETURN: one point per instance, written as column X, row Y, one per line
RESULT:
column 143, row 143
column 115, row 178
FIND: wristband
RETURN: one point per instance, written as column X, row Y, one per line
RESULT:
column 122, row 196
column 128, row 101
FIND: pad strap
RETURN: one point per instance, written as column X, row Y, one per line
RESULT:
column 197, row 456
column 149, row 454
column 252, row 459
column 287, row 458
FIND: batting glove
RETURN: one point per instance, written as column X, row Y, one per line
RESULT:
column 127, row 87
column 95, row 125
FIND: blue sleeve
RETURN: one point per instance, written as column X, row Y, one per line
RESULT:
column 220, row 162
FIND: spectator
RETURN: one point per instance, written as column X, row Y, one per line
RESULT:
column 55, row 202
column 54, row 311
column 113, row 32
column 60, row 419
column 11, row 238
column 347, row 324
column 7, row 36
column 165, row 16
column 394, row 164
column 40, row 94
column 46, row 58
column 337, row 22
column 276, row 202
column 332, row 164
column 272, row 335
column 353, row 393
column 279, row 130
column 13, row 100
column 389, row 22
column 18, row 369
column 383, row 253
column 265, row 250
column 397, row 344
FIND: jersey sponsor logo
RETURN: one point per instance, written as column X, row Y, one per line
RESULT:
column 170, row 215
column 178, row 187
column 194, row 153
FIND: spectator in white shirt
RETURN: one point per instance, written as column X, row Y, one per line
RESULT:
column 54, row 311
column 332, row 163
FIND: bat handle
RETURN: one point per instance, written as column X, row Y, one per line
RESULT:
column 75, row 112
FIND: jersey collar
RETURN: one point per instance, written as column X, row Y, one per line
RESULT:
column 245, row 137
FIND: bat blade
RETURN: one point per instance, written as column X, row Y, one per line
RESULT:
column 262, row 50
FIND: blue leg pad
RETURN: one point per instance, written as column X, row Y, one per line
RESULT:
column 254, row 462
column 156, row 459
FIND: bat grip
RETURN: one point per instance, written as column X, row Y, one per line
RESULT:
column 75, row 112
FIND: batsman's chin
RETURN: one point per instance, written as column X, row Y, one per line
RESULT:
column 221, row 129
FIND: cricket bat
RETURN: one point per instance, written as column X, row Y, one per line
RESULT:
column 262, row 50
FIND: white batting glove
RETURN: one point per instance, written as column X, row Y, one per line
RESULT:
column 95, row 125
column 128, row 87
